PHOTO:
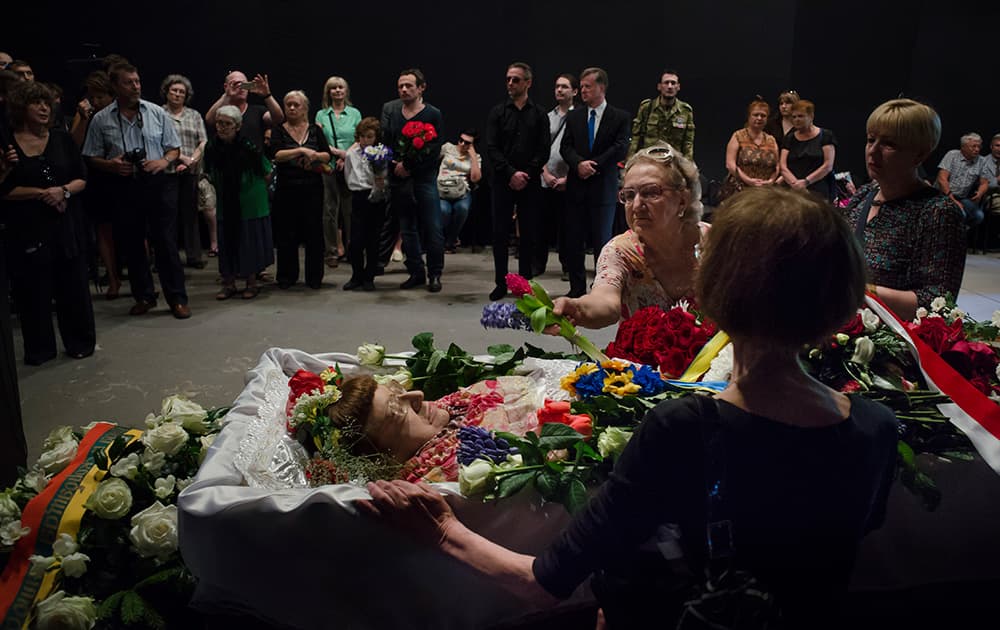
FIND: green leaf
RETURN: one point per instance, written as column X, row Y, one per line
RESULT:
column 556, row 435
column 160, row 577
column 117, row 448
column 585, row 450
column 541, row 294
column 499, row 349
column 435, row 361
column 547, row 483
column 500, row 359
column 575, row 498
column 906, row 454
column 133, row 607
column 153, row 619
column 512, row 484
column 959, row 455
column 538, row 319
column 531, row 454
column 110, row 605
column 531, row 436
column 100, row 458
column 424, row 342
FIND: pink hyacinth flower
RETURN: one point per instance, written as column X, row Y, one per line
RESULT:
column 517, row 285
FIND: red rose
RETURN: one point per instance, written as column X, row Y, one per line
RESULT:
column 582, row 424
column 418, row 143
column 854, row 327
column 412, row 129
column 672, row 362
column 934, row 332
column 685, row 334
column 304, row 382
column 675, row 317
column 850, row 386
column 552, row 411
column 430, row 133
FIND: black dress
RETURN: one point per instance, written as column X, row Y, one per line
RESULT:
column 804, row 157
column 800, row 501
column 46, row 254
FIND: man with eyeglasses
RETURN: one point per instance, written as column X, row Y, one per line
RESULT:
column 664, row 118
column 256, row 118
column 594, row 142
column 134, row 141
column 517, row 146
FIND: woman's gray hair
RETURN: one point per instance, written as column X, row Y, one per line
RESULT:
column 177, row 78
column 686, row 170
column 298, row 93
column 231, row 112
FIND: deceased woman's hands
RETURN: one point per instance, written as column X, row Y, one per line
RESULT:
column 416, row 508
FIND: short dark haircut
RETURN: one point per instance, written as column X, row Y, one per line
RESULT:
column 367, row 124
column 7, row 81
column 18, row 62
column 21, row 96
column 98, row 81
column 781, row 266
column 573, row 81
column 116, row 71
column 599, row 75
column 470, row 131
column 520, row 65
column 668, row 71
column 417, row 73
column 111, row 60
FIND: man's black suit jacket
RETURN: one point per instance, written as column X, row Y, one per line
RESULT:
column 610, row 146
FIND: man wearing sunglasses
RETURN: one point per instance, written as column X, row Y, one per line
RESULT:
column 517, row 145
column 595, row 140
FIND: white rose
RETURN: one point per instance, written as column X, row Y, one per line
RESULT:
column 371, row 354
column 402, row 376
column 958, row 313
column 473, row 479
column 154, row 531
column 168, row 438
column 36, row 480
column 75, row 564
column 58, row 457
column 164, row 486
column 153, row 420
column 13, row 532
column 206, row 443
column 64, row 545
column 8, row 508
column 870, row 320
column 864, row 350
column 189, row 415
column 59, row 612
column 612, row 441
column 58, row 436
column 153, row 461
column 995, row 319
column 126, row 467
column 40, row 564
column 937, row 304
column 112, row 499
column 922, row 313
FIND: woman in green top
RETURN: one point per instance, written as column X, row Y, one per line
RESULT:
column 338, row 120
column 239, row 171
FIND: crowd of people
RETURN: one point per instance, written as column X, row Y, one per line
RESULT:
column 126, row 180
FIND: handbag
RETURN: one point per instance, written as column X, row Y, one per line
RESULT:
column 452, row 187
column 729, row 598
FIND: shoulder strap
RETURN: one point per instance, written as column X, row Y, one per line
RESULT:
column 643, row 123
column 866, row 207
column 719, row 526
column 559, row 130
column 333, row 127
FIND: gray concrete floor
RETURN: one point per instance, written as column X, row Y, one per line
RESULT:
column 141, row 360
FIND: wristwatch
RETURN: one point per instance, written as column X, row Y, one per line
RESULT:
column 66, row 193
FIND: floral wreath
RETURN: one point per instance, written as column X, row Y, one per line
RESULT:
column 306, row 419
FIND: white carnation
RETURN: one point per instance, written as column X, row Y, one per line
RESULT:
column 957, row 313
column 153, row 461
column 721, row 368
column 36, row 479
column 58, row 436
column 64, row 545
column 937, row 304
column 75, row 564
column 870, row 320
column 922, row 313
column 995, row 319
column 40, row 564
column 58, row 457
column 127, row 467
column 153, row 420
column 9, row 509
column 13, row 532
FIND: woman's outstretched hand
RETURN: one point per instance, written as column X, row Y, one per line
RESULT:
column 566, row 307
column 415, row 508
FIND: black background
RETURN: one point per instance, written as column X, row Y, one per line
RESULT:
column 845, row 56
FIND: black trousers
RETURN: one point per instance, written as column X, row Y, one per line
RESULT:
column 297, row 219
column 187, row 214
column 592, row 219
column 367, row 221
column 13, row 447
column 37, row 279
column 529, row 212
column 554, row 217
column 147, row 205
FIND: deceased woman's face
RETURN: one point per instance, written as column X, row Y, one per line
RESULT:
column 399, row 419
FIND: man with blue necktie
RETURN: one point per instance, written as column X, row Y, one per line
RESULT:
column 595, row 140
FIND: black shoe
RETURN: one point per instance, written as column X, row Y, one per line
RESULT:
column 413, row 281
column 498, row 293
column 368, row 285
column 564, row 276
column 576, row 294
column 352, row 284
column 197, row 264
column 380, row 270
column 434, row 284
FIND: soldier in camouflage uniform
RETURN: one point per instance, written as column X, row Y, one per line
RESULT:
column 665, row 118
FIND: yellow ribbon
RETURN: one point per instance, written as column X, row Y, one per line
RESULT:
column 703, row 360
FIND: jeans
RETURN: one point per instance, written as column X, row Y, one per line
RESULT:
column 973, row 212
column 417, row 205
column 454, row 212
column 336, row 210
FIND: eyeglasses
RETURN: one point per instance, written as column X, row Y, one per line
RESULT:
column 514, row 80
column 224, row 124
column 464, row 141
column 649, row 192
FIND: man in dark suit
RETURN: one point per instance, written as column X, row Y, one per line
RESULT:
column 595, row 140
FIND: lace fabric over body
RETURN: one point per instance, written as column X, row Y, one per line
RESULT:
column 268, row 457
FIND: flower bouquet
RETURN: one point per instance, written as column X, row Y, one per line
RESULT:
column 90, row 531
column 415, row 139
column 667, row 339
column 378, row 157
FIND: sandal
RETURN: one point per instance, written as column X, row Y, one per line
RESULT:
column 212, row 253
column 226, row 292
column 250, row 293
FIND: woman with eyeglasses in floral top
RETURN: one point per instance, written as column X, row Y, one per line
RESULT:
column 654, row 262
column 45, row 236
